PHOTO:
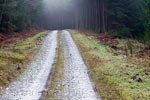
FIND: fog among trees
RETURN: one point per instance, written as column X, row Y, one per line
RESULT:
column 123, row 18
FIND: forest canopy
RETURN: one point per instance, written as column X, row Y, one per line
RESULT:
column 123, row 18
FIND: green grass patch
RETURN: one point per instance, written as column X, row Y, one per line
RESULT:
column 30, row 42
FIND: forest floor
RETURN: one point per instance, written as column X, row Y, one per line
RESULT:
column 118, row 74
column 16, row 51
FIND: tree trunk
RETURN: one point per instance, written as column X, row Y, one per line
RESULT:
column 103, row 15
column 3, row 8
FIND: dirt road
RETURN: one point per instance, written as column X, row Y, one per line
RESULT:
column 77, row 83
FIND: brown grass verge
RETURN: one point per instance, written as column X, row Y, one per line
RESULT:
column 13, row 62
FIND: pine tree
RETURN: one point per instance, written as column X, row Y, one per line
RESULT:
column 147, row 24
column 19, row 14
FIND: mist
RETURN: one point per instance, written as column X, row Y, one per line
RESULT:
column 58, row 14
column 56, row 5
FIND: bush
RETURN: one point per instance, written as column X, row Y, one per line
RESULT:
column 147, row 37
column 124, row 32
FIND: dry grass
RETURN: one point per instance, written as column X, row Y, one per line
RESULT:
column 94, row 62
column 57, row 77
column 112, row 74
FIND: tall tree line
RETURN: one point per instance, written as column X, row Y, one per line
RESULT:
column 147, row 24
column 16, row 15
column 123, row 18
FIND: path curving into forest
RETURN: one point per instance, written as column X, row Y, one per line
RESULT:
column 31, row 84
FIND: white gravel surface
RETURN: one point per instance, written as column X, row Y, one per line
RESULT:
column 31, row 84
column 77, row 82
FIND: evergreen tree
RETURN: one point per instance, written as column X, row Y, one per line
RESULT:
column 19, row 14
column 147, row 24
column 127, row 17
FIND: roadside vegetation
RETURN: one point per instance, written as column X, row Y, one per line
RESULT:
column 56, row 81
column 119, row 74
column 16, row 53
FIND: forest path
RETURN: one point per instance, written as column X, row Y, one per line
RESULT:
column 77, row 84
column 76, row 81
column 32, row 83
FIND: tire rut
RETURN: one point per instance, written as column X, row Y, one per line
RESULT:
column 77, row 83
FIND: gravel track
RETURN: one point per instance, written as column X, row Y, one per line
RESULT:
column 31, row 84
column 77, row 82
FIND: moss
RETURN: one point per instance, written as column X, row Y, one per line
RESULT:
column 112, row 74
